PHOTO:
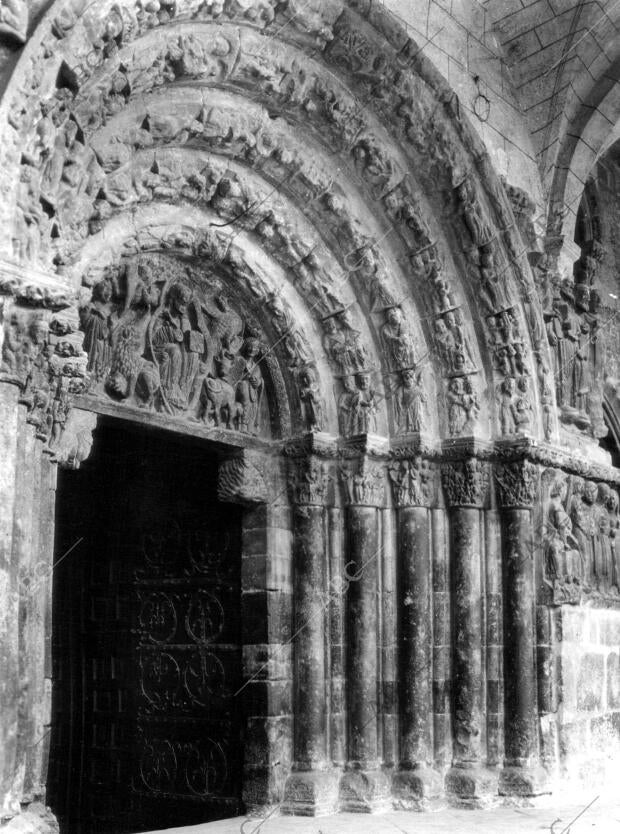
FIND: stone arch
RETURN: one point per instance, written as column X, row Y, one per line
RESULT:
column 411, row 214
column 305, row 168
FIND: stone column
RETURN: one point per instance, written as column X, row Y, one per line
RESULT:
column 312, row 787
column 469, row 781
column 517, row 488
column 364, row 786
column 415, row 782
column 257, row 482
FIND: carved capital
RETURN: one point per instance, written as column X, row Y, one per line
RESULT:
column 309, row 480
column 412, row 482
column 517, row 484
column 42, row 354
column 465, row 483
column 364, row 484
column 240, row 481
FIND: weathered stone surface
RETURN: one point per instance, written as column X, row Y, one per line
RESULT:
column 270, row 229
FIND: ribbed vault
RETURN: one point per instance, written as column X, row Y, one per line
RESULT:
column 303, row 162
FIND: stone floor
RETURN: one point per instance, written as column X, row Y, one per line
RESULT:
column 599, row 818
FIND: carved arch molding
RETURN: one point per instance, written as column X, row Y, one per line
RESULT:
column 267, row 218
column 264, row 221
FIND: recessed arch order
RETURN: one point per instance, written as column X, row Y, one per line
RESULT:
column 302, row 163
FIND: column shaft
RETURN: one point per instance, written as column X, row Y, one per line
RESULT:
column 521, row 774
column 416, row 712
column 312, row 787
column 441, row 639
column 337, row 733
column 310, row 725
column 364, row 785
column 467, row 677
column 520, row 679
column 362, row 553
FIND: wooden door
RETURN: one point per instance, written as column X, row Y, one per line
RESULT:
column 146, row 730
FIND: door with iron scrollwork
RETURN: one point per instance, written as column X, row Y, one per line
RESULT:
column 146, row 729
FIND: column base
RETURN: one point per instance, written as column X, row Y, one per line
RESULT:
column 526, row 780
column 471, row 786
column 35, row 819
column 365, row 791
column 418, row 789
column 311, row 793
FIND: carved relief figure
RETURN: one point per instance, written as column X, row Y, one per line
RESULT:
column 251, row 385
column 463, row 406
column 473, row 214
column 562, row 558
column 95, row 319
column 177, row 347
column 397, row 341
column 312, row 404
column 506, row 397
column 411, row 482
column 155, row 342
column 410, row 402
column 603, row 538
column 583, row 527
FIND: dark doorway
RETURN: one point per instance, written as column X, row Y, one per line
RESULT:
column 146, row 733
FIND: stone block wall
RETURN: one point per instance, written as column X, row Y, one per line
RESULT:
column 459, row 38
column 588, row 654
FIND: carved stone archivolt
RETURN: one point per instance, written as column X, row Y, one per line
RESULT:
column 267, row 224
column 116, row 133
